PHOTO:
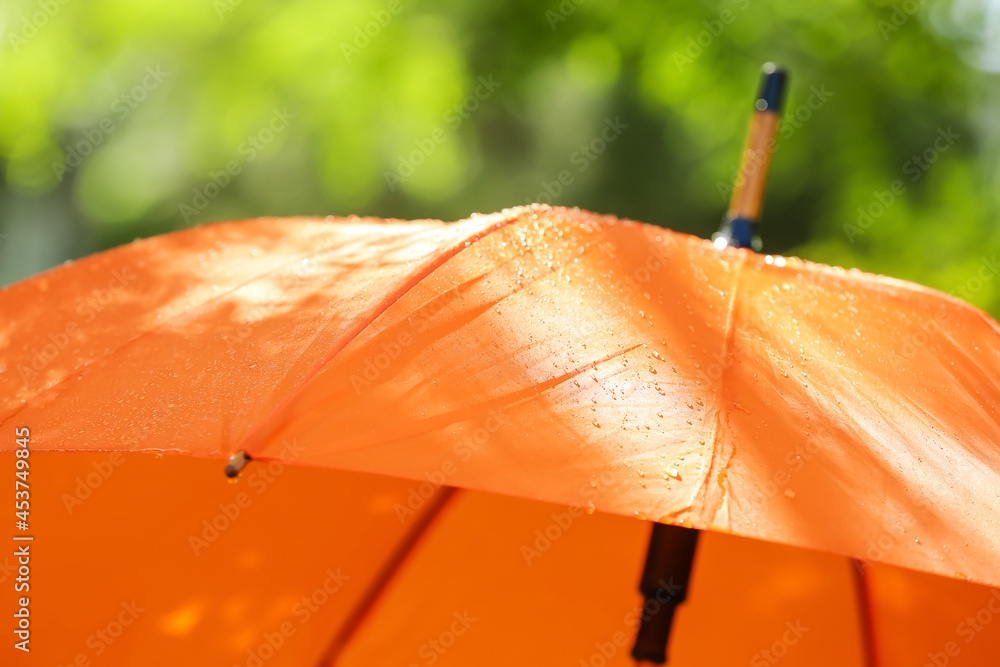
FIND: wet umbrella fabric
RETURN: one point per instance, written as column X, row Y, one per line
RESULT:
column 541, row 353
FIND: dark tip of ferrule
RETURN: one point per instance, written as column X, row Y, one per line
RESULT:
column 738, row 232
column 772, row 88
column 237, row 462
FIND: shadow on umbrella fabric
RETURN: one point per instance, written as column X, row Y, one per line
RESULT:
column 459, row 434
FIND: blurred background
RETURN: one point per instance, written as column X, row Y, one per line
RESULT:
column 127, row 119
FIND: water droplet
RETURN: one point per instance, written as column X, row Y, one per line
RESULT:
column 789, row 493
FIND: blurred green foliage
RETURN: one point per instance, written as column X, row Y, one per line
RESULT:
column 122, row 119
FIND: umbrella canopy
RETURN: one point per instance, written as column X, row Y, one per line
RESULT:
column 541, row 353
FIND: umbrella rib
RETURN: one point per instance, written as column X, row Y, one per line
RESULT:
column 259, row 433
column 363, row 608
column 862, row 588
column 428, row 425
column 214, row 298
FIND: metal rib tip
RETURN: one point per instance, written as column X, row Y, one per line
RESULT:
column 772, row 88
column 237, row 462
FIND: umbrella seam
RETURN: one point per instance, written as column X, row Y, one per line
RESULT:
column 708, row 517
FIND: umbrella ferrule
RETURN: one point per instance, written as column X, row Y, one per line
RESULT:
column 236, row 463
column 748, row 190
column 772, row 89
column 738, row 232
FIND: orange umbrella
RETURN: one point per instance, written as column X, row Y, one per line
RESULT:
column 539, row 354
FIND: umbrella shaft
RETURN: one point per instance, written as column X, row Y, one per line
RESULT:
column 748, row 191
column 663, row 585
